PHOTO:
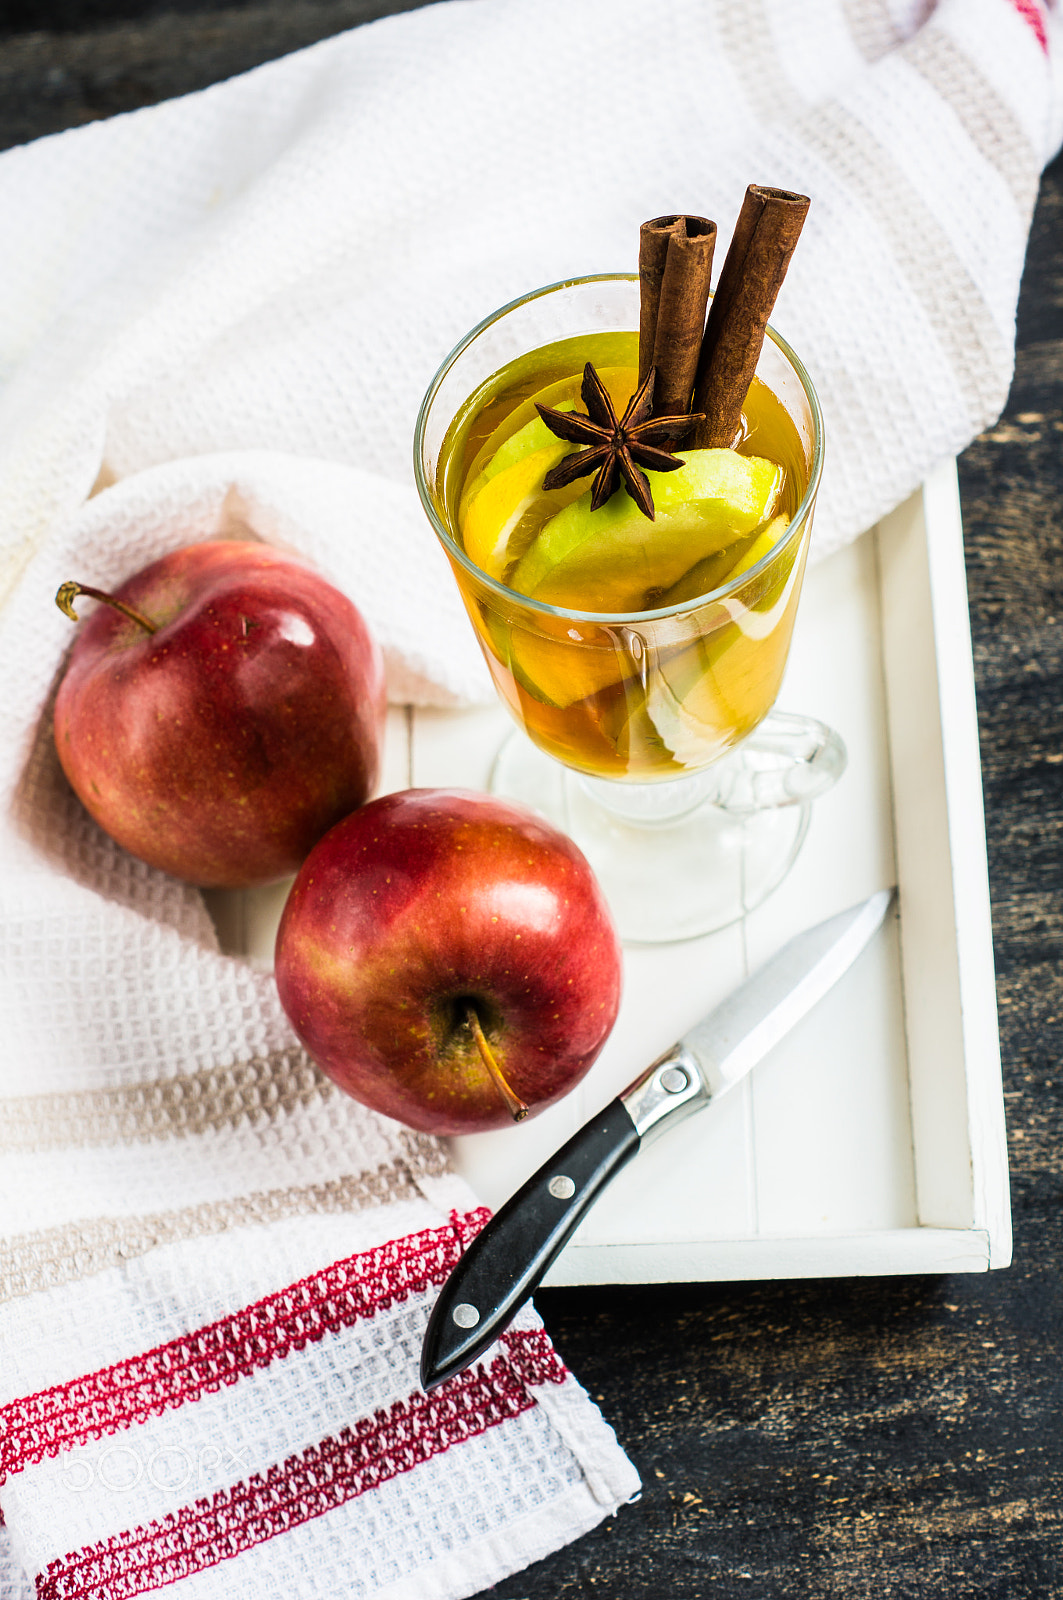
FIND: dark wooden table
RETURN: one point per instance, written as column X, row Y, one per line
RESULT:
column 829, row 1440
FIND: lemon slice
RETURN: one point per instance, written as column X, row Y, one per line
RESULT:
column 497, row 507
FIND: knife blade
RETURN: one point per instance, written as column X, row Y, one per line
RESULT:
column 508, row 1259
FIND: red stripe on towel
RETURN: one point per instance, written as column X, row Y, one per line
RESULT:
column 1030, row 12
column 319, row 1479
column 182, row 1370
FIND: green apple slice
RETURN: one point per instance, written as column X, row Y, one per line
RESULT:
column 765, row 541
column 615, row 559
column 718, row 688
column 712, row 572
column 534, row 435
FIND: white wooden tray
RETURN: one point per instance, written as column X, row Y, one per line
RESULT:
column 872, row 1140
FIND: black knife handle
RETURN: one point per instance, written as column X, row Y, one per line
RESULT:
column 508, row 1259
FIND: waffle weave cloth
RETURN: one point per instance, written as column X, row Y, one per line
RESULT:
column 219, row 314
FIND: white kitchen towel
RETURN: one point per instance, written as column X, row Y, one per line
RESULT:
column 220, row 314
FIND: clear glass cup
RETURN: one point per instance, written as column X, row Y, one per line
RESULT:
column 649, row 736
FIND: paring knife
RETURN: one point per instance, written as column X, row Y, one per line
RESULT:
column 508, row 1259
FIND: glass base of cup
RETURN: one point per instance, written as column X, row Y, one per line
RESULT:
column 672, row 863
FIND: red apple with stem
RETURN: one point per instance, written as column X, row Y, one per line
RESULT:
column 449, row 959
column 221, row 711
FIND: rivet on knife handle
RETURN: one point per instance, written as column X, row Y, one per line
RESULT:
column 665, row 1093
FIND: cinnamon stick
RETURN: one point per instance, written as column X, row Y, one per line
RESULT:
column 675, row 265
column 653, row 253
column 765, row 237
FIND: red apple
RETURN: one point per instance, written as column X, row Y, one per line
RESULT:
column 227, row 718
column 449, row 959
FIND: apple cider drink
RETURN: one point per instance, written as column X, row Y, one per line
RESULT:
column 630, row 662
column 635, row 634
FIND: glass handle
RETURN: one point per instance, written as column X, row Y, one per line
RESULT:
column 787, row 760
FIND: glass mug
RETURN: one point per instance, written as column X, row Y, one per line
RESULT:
column 688, row 794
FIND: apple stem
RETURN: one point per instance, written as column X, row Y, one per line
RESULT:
column 514, row 1104
column 68, row 593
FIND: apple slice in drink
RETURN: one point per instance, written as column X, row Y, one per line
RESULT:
column 716, row 691
column 765, row 541
column 714, row 571
column 710, row 573
column 529, row 440
column 615, row 560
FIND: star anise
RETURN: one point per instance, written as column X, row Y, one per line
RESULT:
column 616, row 449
